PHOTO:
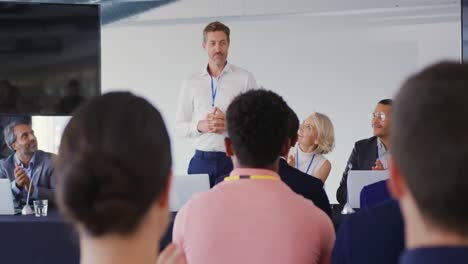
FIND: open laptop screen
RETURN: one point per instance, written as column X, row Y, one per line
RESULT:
column 183, row 187
column 6, row 198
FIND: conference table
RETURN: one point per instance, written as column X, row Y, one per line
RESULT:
column 39, row 240
column 52, row 240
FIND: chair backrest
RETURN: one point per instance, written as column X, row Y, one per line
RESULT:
column 183, row 187
column 6, row 198
column 357, row 179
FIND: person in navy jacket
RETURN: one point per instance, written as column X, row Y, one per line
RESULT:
column 428, row 172
column 372, row 235
column 374, row 194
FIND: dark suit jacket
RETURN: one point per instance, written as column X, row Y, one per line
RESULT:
column 372, row 235
column 43, row 175
column 374, row 194
column 362, row 157
column 435, row 255
column 308, row 186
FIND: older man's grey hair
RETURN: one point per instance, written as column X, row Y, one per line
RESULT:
column 9, row 132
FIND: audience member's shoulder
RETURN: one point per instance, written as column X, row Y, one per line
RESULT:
column 379, row 187
column 290, row 174
column 376, row 184
column 308, row 180
column 387, row 206
column 307, row 207
column 46, row 155
column 311, row 179
column 321, row 221
column 374, row 217
column 372, row 235
column 6, row 160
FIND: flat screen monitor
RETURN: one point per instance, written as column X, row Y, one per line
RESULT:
column 49, row 57
column 464, row 10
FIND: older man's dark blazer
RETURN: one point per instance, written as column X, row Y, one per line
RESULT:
column 43, row 179
column 362, row 157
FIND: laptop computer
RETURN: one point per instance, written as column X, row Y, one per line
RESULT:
column 183, row 187
column 6, row 198
column 357, row 179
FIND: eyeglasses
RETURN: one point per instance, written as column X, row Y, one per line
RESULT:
column 380, row 115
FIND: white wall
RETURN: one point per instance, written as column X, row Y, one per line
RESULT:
column 48, row 130
column 338, row 64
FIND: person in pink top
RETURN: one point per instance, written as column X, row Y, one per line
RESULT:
column 252, row 216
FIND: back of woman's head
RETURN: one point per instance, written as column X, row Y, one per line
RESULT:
column 113, row 164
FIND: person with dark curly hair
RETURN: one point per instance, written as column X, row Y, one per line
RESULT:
column 252, row 216
column 113, row 175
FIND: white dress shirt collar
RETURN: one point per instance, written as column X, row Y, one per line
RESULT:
column 227, row 68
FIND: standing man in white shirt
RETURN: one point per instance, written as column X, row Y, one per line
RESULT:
column 203, row 100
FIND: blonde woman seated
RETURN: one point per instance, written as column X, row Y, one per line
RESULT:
column 316, row 137
column 113, row 174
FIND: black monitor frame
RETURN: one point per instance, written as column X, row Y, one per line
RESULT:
column 92, row 58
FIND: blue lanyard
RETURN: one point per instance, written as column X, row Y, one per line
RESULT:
column 214, row 91
column 297, row 161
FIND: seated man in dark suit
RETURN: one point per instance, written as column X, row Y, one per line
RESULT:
column 429, row 164
column 372, row 235
column 28, row 169
column 374, row 194
column 301, row 183
column 371, row 153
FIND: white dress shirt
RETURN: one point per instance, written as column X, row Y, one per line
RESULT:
column 195, row 102
column 383, row 153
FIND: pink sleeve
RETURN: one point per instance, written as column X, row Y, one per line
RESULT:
column 328, row 234
column 179, row 228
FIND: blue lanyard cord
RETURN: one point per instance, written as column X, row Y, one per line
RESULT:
column 297, row 160
column 214, row 91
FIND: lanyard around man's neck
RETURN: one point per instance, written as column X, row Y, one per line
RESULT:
column 251, row 177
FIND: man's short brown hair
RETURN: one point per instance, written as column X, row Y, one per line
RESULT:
column 430, row 143
column 216, row 26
